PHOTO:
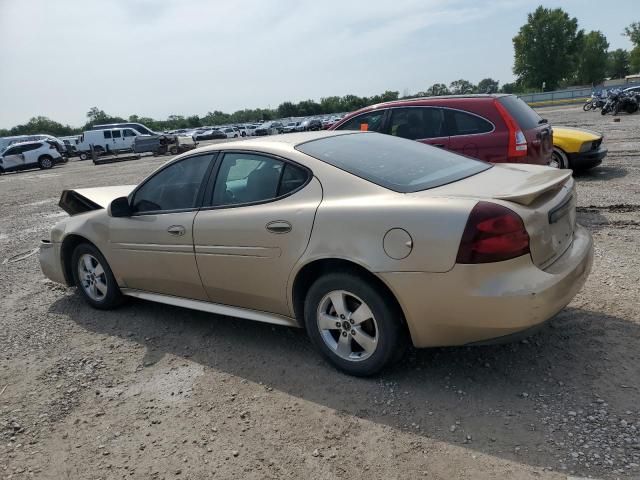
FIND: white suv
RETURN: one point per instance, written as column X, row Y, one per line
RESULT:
column 20, row 156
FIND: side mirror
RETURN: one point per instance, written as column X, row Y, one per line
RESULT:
column 120, row 207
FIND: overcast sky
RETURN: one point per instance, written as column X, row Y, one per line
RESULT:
column 155, row 58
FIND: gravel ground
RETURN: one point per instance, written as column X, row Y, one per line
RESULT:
column 151, row 391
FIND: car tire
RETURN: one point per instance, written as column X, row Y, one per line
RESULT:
column 83, row 156
column 559, row 159
column 328, row 309
column 45, row 162
column 94, row 279
column 173, row 150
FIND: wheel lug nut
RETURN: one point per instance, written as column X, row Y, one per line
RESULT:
column 342, row 317
column 351, row 320
column 344, row 333
column 338, row 324
column 353, row 332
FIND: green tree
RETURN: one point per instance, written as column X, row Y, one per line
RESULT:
column 287, row 109
column 487, row 85
column 436, row 90
column 634, row 60
column 633, row 32
column 546, row 48
column 512, row 87
column 618, row 63
column 592, row 61
column 462, row 87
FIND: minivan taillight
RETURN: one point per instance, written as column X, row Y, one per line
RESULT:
column 493, row 233
column 517, row 140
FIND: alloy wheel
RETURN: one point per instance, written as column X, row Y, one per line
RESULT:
column 347, row 326
column 92, row 276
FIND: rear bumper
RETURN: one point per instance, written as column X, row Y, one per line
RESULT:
column 578, row 161
column 475, row 303
column 51, row 261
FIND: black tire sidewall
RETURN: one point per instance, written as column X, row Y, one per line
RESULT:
column 387, row 315
column 114, row 296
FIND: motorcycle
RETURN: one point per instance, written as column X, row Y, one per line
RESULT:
column 595, row 102
column 612, row 101
column 627, row 102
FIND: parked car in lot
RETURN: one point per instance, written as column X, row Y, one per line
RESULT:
column 577, row 149
column 269, row 128
column 35, row 154
column 309, row 124
column 370, row 241
column 59, row 144
column 290, row 127
column 210, row 134
column 494, row 128
column 229, row 132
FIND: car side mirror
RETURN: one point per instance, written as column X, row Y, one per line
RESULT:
column 120, row 207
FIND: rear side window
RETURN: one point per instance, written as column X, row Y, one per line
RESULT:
column 106, row 133
column 395, row 163
column 462, row 123
column 368, row 122
column 523, row 114
column 31, row 146
column 116, row 134
column 416, row 123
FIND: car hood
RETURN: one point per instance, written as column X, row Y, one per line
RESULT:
column 82, row 200
column 575, row 134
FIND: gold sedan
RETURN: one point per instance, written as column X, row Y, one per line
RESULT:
column 368, row 241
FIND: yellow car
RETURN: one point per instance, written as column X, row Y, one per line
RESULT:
column 576, row 148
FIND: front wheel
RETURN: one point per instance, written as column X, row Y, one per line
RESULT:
column 353, row 324
column 559, row 159
column 94, row 279
column 587, row 106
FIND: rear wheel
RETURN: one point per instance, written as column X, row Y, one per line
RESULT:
column 94, row 279
column 559, row 159
column 45, row 162
column 173, row 150
column 352, row 324
column 83, row 156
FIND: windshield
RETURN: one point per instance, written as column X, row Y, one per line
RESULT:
column 395, row 163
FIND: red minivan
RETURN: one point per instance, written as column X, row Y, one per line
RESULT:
column 494, row 128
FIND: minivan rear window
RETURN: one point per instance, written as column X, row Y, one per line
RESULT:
column 526, row 117
column 395, row 163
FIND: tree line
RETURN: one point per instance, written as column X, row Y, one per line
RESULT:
column 550, row 52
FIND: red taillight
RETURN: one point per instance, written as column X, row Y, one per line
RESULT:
column 493, row 234
column 517, row 140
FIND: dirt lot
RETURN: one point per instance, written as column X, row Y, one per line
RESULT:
column 152, row 391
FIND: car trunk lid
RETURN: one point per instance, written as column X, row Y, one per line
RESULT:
column 543, row 197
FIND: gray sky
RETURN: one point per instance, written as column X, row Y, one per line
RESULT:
column 160, row 57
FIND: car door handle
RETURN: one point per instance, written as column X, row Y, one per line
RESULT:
column 177, row 230
column 439, row 145
column 279, row 226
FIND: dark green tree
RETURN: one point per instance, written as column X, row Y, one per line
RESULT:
column 593, row 58
column 462, row 87
column 618, row 63
column 436, row 90
column 487, row 85
column 546, row 48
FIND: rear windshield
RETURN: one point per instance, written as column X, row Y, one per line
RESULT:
column 395, row 163
column 526, row 117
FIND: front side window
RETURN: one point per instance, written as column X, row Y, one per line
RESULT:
column 416, row 123
column 12, row 151
column 106, row 133
column 371, row 122
column 175, row 187
column 462, row 123
column 129, row 133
